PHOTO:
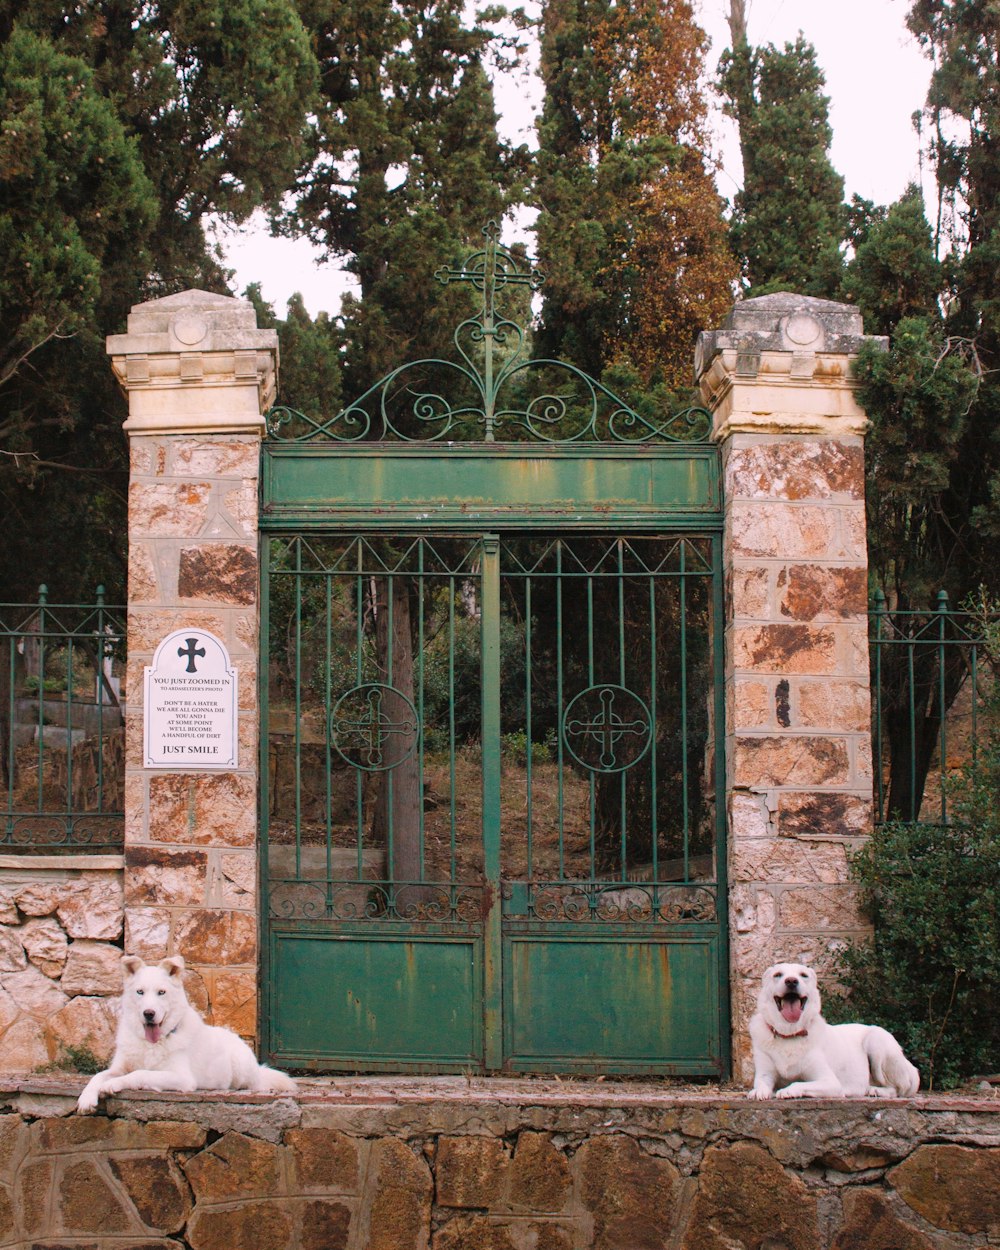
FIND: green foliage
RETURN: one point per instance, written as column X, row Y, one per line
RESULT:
column 630, row 230
column 931, row 973
column 789, row 220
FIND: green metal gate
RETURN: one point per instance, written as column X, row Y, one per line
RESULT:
column 492, row 771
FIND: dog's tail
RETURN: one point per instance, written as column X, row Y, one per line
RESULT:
column 274, row 1082
column 890, row 1068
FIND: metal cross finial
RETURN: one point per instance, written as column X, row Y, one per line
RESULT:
column 489, row 270
column 189, row 652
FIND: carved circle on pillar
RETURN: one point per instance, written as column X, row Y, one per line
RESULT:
column 189, row 330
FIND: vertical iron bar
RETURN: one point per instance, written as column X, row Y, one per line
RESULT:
column 653, row 679
column 527, row 721
column 264, row 783
column 298, row 709
column 591, row 775
column 453, row 870
column 420, row 704
column 69, row 737
column 327, row 710
column 685, row 785
column 719, row 757
column 390, row 625
column 43, row 595
column 99, row 684
column 942, row 611
column 623, row 849
column 359, row 662
column 559, row 705
column 910, row 648
column 879, row 611
column 490, row 746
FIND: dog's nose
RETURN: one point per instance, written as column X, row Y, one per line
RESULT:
column 148, row 1014
column 792, row 982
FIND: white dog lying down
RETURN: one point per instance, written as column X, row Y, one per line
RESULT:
column 796, row 1052
column 163, row 1043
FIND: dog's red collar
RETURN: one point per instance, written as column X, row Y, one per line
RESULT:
column 801, row 1033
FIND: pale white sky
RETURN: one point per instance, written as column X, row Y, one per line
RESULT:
column 876, row 78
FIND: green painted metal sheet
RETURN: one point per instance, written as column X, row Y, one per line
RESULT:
column 354, row 998
column 616, row 1002
column 383, row 485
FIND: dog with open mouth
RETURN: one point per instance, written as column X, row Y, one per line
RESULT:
column 164, row 1044
column 797, row 1054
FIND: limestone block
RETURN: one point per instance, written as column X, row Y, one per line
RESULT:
column 324, row 1159
column 219, row 573
column 147, row 932
column 215, row 937
column 85, row 1023
column 234, row 1167
column 215, row 457
column 325, row 1225
column 8, row 911
column 23, row 1046
column 12, row 956
column 871, row 1224
column 9, row 1010
column 632, row 1195
column 802, row 468
column 956, row 1188
column 147, row 627
column 156, row 1188
column 750, row 592
column 810, row 592
column 791, row 649
column 8, row 1222
column 135, row 807
column 263, row 1225
column 34, row 1183
column 143, row 584
column 234, row 1001
column 217, row 809
column 749, row 816
column 539, row 1176
column 158, row 876
column 746, row 1198
column 239, row 878
column 465, row 1231
column 45, row 944
column 168, row 509
column 398, row 1196
column 753, row 705
column 790, row 531
column 92, row 968
column 791, row 760
column 470, row 1171
column 94, row 907
column 835, row 705
column 819, row 907
column 831, row 814
column 241, row 504
column 33, row 992
column 791, row 863
column 39, row 898
column 14, row 1135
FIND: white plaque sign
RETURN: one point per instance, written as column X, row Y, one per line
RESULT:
column 190, row 707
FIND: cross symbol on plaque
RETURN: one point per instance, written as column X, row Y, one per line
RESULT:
column 369, row 732
column 189, row 652
column 488, row 270
column 607, row 728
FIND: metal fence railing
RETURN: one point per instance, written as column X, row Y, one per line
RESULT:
column 62, row 739
column 931, row 680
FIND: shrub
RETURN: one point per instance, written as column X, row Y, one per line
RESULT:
column 931, row 972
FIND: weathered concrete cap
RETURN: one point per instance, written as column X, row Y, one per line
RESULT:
column 785, row 322
column 192, row 321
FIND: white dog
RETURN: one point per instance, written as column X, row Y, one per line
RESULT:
column 796, row 1052
column 163, row 1043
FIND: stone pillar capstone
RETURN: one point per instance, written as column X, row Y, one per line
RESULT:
column 198, row 374
column 778, row 380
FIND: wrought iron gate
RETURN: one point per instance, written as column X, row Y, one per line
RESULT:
column 493, row 835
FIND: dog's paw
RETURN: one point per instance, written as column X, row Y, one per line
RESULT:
column 759, row 1093
column 789, row 1092
column 86, row 1104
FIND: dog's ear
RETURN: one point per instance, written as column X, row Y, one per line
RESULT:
column 132, row 964
column 173, row 966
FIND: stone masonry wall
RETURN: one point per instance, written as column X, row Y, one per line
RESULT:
column 778, row 378
column 455, row 1165
column 61, row 923
column 198, row 374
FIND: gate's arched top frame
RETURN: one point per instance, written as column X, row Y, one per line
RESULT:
column 491, row 393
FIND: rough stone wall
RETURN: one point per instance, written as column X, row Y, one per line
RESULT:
column 798, row 708
column 451, row 1168
column 61, row 923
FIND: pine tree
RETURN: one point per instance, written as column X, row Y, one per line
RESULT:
column 125, row 127
column 405, row 172
column 630, row 230
column 789, row 219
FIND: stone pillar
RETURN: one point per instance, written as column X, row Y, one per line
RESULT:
column 777, row 378
column 198, row 374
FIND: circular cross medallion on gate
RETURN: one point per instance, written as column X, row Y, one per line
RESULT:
column 607, row 729
column 374, row 727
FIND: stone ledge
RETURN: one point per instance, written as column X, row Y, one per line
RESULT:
column 82, row 862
